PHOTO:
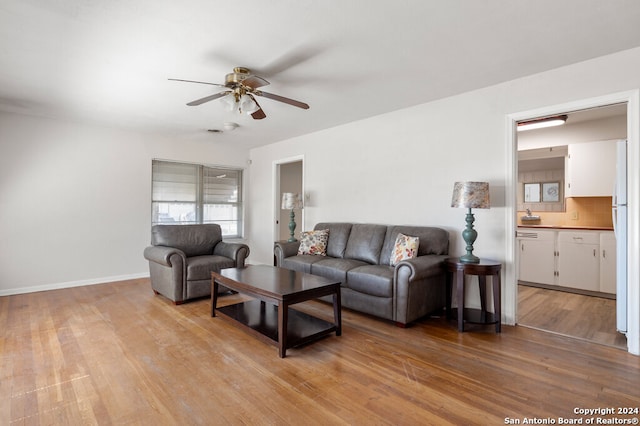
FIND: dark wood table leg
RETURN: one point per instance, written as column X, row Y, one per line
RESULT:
column 337, row 312
column 497, row 308
column 460, row 298
column 448, row 294
column 482, row 284
column 214, row 296
column 283, row 317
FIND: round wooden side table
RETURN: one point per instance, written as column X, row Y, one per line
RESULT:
column 456, row 272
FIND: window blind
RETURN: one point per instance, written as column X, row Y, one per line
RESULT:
column 185, row 193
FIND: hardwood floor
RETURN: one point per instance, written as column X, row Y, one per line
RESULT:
column 117, row 354
column 575, row 315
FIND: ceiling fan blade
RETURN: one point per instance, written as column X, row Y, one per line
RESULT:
column 259, row 114
column 199, row 82
column 208, row 98
column 291, row 59
column 282, row 99
column 254, row 82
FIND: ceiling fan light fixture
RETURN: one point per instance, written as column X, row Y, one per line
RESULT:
column 248, row 105
column 541, row 123
column 229, row 102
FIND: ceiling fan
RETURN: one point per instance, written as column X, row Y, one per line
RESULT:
column 241, row 89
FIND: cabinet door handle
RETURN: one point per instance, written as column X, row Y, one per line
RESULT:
column 594, row 252
column 604, row 254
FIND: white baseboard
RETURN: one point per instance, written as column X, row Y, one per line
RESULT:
column 69, row 284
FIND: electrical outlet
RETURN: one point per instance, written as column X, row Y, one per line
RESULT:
column 574, row 215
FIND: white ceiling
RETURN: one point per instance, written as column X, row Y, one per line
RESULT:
column 108, row 61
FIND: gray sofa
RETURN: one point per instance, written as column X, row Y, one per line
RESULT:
column 182, row 257
column 358, row 256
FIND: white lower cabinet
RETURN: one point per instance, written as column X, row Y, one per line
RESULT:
column 579, row 260
column 608, row 262
column 537, row 257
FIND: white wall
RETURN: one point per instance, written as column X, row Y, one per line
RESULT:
column 400, row 167
column 75, row 200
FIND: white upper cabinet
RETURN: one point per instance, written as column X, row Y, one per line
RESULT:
column 591, row 169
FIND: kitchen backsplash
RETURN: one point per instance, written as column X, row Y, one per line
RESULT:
column 580, row 211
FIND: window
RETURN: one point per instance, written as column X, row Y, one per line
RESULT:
column 185, row 193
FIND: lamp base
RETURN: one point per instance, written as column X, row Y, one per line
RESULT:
column 469, row 236
column 292, row 227
column 469, row 258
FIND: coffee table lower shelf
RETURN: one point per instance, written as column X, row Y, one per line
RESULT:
column 261, row 320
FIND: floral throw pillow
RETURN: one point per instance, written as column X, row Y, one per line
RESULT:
column 406, row 247
column 314, row 242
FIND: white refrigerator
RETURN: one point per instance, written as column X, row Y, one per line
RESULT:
column 619, row 211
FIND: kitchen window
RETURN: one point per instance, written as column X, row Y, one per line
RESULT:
column 185, row 193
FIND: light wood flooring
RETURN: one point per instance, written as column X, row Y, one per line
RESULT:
column 576, row 315
column 116, row 354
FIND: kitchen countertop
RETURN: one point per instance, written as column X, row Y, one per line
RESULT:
column 565, row 227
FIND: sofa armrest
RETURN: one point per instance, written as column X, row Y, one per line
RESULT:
column 420, row 267
column 162, row 254
column 284, row 249
column 419, row 287
column 236, row 251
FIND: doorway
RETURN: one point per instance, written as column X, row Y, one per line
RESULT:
column 289, row 177
column 553, row 306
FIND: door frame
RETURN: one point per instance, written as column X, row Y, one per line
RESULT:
column 632, row 99
column 276, row 193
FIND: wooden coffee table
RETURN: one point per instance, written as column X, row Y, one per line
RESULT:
column 268, row 316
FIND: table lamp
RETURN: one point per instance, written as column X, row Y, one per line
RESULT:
column 470, row 195
column 291, row 201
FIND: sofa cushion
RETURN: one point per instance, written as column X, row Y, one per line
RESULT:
column 335, row 269
column 193, row 240
column 200, row 267
column 376, row 280
column 338, row 237
column 365, row 243
column 432, row 240
column 406, row 247
column 314, row 242
column 301, row 262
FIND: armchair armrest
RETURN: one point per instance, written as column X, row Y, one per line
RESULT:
column 162, row 254
column 284, row 249
column 236, row 251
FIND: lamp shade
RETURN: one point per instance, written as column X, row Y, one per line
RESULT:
column 291, row 201
column 471, row 195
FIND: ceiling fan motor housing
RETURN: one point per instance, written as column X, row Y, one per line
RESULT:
column 238, row 75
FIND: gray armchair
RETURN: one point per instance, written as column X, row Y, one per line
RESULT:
column 182, row 257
